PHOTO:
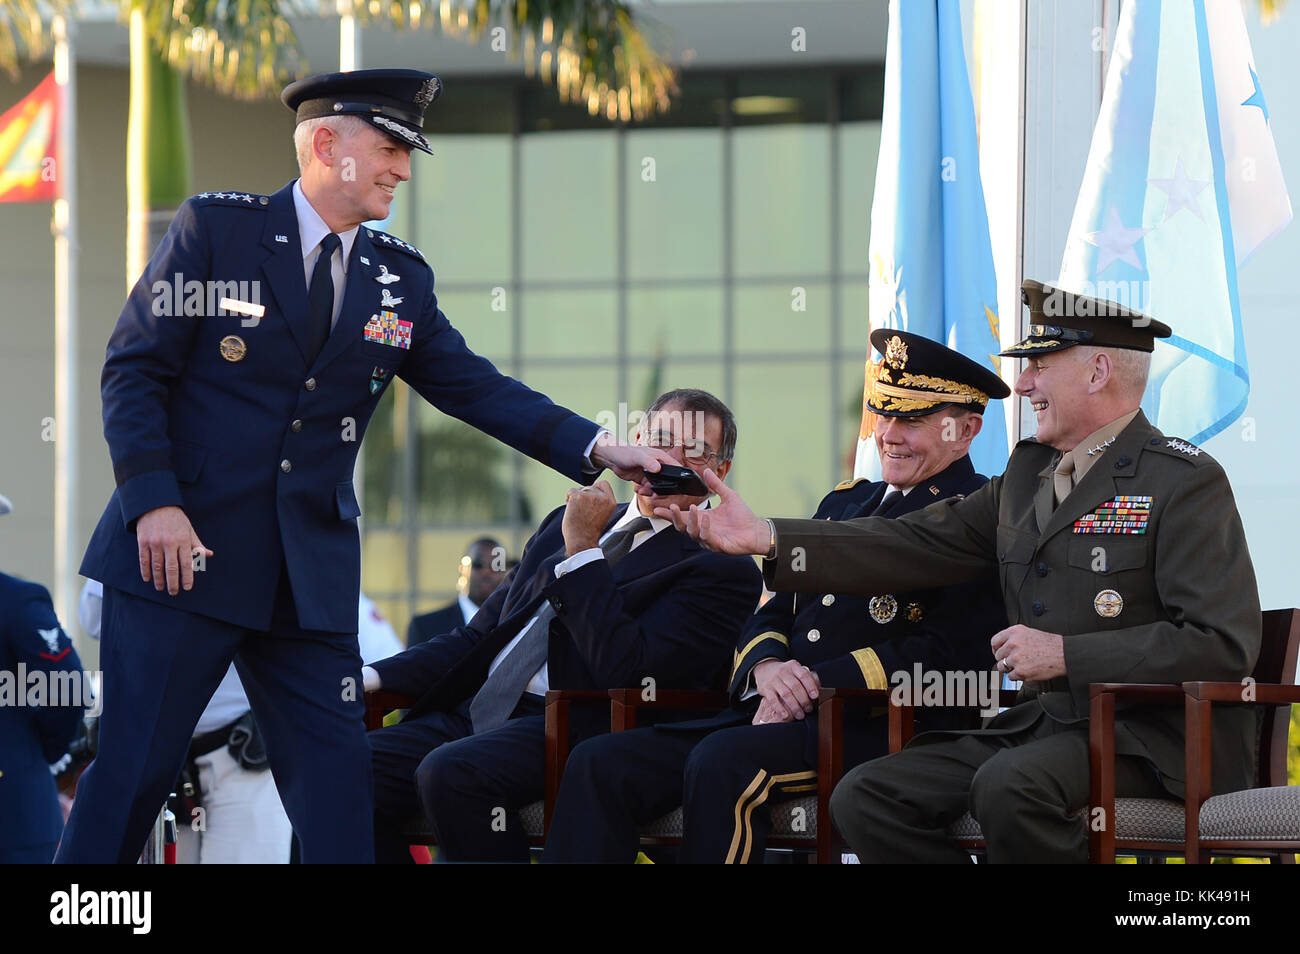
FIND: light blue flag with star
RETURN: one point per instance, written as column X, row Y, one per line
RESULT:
column 931, row 270
column 1182, row 184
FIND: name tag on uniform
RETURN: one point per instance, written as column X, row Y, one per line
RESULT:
column 1127, row 513
column 250, row 308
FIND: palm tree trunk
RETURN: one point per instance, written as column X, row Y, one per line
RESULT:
column 157, row 150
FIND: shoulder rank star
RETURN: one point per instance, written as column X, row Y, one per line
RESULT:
column 1100, row 447
column 1184, row 447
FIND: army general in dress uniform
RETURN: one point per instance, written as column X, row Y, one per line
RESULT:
column 727, row 772
column 234, row 431
column 1121, row 558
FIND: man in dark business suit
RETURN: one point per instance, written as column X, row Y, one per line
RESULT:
column 604, row 597
column 482, row 569
column 234, row 431
column 728, row 772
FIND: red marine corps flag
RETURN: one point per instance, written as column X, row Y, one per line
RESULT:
column 27, row 144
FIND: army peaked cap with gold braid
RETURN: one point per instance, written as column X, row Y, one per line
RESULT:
column 1059, row 319
column 919, row 376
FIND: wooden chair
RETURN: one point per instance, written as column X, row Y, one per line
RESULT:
column 803, row 825
column 536, row 817
column 1260, row 821
column 1264, row 820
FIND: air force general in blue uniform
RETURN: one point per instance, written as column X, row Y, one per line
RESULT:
column 249, row 420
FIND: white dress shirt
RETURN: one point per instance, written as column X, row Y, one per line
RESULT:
column 311, row 229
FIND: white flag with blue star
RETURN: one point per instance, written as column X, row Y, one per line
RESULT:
column 1182, row 184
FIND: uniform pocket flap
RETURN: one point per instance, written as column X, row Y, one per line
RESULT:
column 346, row 500
column 1107, row 553
column 1014, row 546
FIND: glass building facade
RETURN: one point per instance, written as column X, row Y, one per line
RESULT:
column 721, row 246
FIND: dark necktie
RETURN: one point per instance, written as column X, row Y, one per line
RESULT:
column 320, row 296
column 492, row 705
column 891, row 498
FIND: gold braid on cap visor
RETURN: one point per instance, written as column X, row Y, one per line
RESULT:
column 890, row 397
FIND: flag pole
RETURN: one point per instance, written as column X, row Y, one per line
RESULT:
column 64, row 229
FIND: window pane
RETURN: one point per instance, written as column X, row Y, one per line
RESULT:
column 786, row 473
column 589, row 390
column 768, row 320
column 674, row 203
column 683, row 320
column 463, row 209
column 568, row 200
column 859, row 147
column 475, row 315
column 382, row 458
column 570, row 323
column 782, row 200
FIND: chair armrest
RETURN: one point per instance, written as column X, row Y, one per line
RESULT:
column 559, row 706
column 1102, row 697
column 380, row 702
column 1232, row 693
column 1136, row 692
column 626, row 704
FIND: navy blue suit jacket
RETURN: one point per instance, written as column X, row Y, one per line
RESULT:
column 260, row 451
column 670, row 611
column 31, row 736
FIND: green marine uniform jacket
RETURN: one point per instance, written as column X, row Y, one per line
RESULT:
column 1143, row 569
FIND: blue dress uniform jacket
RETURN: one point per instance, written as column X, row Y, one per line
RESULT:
column 1164, row 595
column 32, row 735
column 224, row 416
column 854, row 641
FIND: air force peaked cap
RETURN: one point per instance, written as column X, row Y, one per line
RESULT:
column 393, row 101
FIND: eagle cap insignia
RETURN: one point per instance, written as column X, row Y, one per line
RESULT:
column 896, row 353
column 428, row 92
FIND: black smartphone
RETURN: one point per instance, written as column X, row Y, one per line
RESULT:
column 672, row 479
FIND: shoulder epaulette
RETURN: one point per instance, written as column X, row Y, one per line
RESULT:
column 848, row 484
column 392, row 241
column 246, row 200
column 1177, row 447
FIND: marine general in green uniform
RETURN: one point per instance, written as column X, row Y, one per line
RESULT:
column 1121, row 557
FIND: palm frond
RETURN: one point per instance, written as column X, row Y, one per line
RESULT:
column 244, row 48
column 591, row 50
column 23, row 35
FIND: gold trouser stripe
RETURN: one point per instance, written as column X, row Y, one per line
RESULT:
column 743, row 834
column 735, row 837
column 873, row 673
column 791, row 789
column 761, row 637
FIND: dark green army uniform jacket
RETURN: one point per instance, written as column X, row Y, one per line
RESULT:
column 1143, row 569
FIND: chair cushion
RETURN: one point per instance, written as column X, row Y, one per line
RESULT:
column 1265, row 814
column 787, row 821
column 533, row 816
column 796, row 818
column 1136, row 819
